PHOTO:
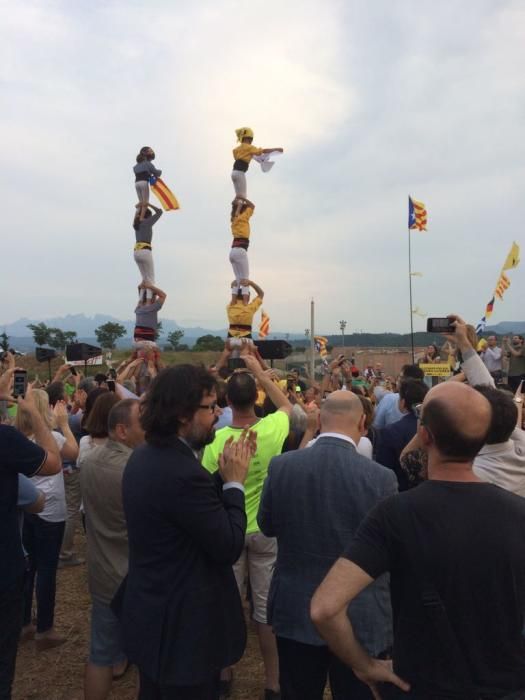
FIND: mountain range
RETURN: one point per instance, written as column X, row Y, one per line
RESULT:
column 22, row 338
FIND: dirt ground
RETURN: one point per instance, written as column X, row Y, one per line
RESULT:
column 57, row 674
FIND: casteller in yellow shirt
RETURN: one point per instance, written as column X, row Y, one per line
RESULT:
column 246, row 151
column 241, row 223
column 241, row 314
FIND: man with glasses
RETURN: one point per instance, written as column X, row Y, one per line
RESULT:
column 258, row 556
column 180, row 610
column 454, row 550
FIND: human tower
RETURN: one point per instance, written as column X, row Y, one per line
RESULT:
column 240, row 310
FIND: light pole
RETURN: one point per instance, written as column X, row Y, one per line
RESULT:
column 342, row 326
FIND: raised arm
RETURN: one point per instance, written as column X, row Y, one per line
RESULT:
column 61, row 372
column 257, row 289
column 69, row 450
column 271, row 389
column 43, row 437
column 510, row 349
column 160, row 294
column 473, row 366
column 156, row 216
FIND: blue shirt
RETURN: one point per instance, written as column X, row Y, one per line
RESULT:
column 388, row 411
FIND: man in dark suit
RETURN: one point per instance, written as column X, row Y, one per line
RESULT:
column 313, row 502
column 395, row 437
column 181, row 612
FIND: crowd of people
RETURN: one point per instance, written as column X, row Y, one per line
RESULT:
column 372, row 527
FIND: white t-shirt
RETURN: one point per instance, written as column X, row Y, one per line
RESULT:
column 53, row 487
column 364, row 447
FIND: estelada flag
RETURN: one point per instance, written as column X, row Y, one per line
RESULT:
column 264, row 328
column 513, row 258
column 320, row 345
column 417, row 215
column 163, row 193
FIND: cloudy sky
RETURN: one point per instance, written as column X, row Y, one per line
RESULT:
column 371, row 100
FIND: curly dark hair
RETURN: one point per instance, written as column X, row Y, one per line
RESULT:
column 175, row 393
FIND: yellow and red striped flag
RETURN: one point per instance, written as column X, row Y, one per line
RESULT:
column 417, row 215
column 165, row 196
column 264, row 327
column 502, row 286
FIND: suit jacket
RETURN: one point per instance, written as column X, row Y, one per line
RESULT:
column 314, row 501
column 181, row 612
column 390, row 444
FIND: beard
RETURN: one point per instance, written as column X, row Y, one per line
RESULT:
column 199, row 438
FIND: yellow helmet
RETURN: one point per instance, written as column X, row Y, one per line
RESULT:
column 244, row 132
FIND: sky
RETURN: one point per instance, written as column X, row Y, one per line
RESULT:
column 371, row 101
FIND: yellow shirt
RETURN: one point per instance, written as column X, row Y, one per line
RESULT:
column 240, row 314
column 245, row 152
column 241, row 224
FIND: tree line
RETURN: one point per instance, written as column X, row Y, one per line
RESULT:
column 107, row 335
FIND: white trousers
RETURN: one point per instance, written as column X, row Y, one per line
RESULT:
column 239, row 183
column 142, row 187
column 241, row 269
column 144, row 345
column 144, row 260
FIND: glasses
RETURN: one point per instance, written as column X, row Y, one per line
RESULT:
column 210, row 406
column 418, row 411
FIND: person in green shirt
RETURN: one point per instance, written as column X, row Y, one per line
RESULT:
column 258, row 557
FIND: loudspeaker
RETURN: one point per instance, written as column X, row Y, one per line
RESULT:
column 81, row 351
column 45, row 354
column 273, row 349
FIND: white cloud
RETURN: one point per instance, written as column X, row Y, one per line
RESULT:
column 370, row 102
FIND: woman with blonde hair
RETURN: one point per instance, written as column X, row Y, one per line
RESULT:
column 43, row 532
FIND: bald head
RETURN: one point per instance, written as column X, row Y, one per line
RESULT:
column 458, row 419
column 342, row 412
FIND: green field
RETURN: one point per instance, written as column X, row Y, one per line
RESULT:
column 170, row 358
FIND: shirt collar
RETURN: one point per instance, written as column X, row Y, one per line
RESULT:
column 339, row 436
column 188, row 445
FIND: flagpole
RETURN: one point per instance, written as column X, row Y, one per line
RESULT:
column 312, row 342
column 410, row 295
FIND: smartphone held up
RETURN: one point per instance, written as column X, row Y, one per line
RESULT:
column 440, row 325
column 19, row 383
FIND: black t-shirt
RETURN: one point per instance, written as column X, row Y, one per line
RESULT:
column 17, row 455
column 474, row 535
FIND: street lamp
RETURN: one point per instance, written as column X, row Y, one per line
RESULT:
column 342, row 326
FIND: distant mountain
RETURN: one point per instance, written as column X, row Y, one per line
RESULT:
column 507, row 327
column 21, row 337
column 84, row 326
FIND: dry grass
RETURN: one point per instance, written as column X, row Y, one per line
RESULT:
column 57, row 674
